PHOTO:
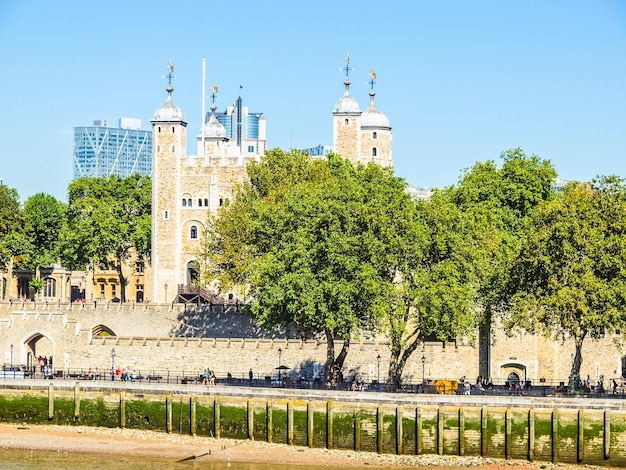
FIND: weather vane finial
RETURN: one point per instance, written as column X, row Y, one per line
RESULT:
column 214, row 94
column 372, row 78
column 347, row 67
column 170, row 73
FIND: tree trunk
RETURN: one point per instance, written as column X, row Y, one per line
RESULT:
column 574, row 376
column 333, row 366
column 398, row 359
column 122, row 279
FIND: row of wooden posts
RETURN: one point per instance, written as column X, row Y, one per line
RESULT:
column 399, row 448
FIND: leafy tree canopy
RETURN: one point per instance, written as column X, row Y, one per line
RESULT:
column 569, row 276
column 304, row 235
column 45, row 218
column 108, row 222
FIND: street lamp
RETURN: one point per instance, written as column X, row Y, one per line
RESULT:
column 280, row 351
column 165, row 287
column 423, row 366
column 11, row 357
column 378, row 379
column 113, row 365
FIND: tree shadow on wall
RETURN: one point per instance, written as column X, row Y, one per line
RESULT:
column 223, row 321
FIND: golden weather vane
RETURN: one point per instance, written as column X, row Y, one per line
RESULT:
column 170, row 72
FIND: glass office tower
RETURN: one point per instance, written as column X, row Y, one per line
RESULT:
column 101, row 151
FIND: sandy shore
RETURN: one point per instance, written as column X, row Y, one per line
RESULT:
column 175, row 447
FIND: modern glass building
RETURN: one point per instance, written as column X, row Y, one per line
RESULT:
column 243, row 127
column 101, row 151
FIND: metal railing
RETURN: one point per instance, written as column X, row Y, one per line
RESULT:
column 552, row 388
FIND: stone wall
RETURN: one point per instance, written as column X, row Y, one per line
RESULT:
column 175, row 338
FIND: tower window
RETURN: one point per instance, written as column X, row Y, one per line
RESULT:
column 200, row 202
column 221, row 202
column 173, row 130
column 189, row 202
column 193, row 234
column 173, row 148
column 50, row 288
column 374, row 135
column 206, row 203
column 166, row 215
column 346, row 122
column 184, row 202
column 374, row 152
column 159, row 129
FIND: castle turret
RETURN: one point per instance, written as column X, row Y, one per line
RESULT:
column 376, row 137
column 347, row 122
column 169, row 140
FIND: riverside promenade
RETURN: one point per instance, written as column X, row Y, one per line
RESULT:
column 371, row 397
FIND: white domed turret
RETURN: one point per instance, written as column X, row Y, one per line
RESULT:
column 346, row 104
column 213, row 129
column 168, row 112
column 372, row 117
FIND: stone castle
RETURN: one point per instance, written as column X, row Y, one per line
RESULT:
column 169, row 333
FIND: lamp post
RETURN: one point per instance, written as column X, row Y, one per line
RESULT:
column 378, row 378
column 11, row 357
column 423, row 366
column 113, row 365
column 165, row 287
column 280, row 351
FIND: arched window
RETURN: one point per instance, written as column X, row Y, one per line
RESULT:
column 159, row 129
column 173, row 130
column 50, row 289
column 221, row 202
column 193, row 234
column 206, row 203
column 374, row 135
column 166, row 215
column 184, row 202
column 346, row 122
column 200, row 202
column 374, row 152
column 189, row 202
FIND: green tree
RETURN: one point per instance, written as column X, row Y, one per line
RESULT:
column 109, row 222
column 569, row 277
column 429, row 270
column 295, row 235
column 13, row 242
column 499, row 200
column 45, row 219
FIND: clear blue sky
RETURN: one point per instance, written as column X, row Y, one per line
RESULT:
column 460, row 81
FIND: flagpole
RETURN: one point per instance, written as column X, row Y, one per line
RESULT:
column 203, row 104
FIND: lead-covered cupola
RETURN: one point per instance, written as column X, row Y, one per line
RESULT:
column 168, row 111
column 213, row 129
column 372, row 117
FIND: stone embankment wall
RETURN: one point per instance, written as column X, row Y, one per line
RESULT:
column 165, row 337
column 362, row 422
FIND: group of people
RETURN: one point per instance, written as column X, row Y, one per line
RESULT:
column 125, row 374
column 45, row 365
column 208, row 377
